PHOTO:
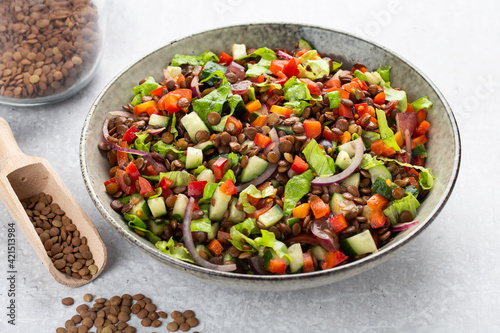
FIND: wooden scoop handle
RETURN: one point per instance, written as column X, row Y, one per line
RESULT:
column 8, row 144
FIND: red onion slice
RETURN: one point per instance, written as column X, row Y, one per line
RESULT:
column 105, row 135
column 283, row 55
column 159, row 167
column 195, row 88
column 408, row 145
column 156, row 131
column 318, row 228
column 407, row 120
column 236, row 69
column 326, row 181
column 268, row 174
column 241, row 88
column 197, row 70
column 188, row 242
column 121, row 113
column 264, row 110
column 404, row 226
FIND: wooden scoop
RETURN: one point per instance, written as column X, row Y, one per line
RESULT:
column 22, row 176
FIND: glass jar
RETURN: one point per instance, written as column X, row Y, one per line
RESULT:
column 49, row 49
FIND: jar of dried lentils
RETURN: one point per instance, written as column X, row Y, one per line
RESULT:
column 49, row 49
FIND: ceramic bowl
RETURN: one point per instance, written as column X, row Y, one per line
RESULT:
column 443, row 147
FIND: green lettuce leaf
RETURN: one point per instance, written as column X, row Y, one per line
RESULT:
column 253, row 192
column 199, row 60
column 239, row 234
column 208, row 193
column 360, row 75
column 295, row 90
column 386, row 133
column 385, row 73
column 178, row 252
column 173, row 130
column 408, row 202
column 312, row 66
column 318, row 160
column 421, row 103
column 334, row 98
column 336, row 65
column 229, row 175
column 204, row 224
column 395, row 95
column 425, row 178
column 234, row 102
column 297, row 107
column 144, row 89
column 209, row 69
column 136, row 223
column 295, row 189
column 140, row 144
column 419, row 151
column 213, row 102
column 162, row 148
column 268, row 239
column 262, row 67
column 369, row 162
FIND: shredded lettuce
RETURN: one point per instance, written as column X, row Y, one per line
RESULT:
column 175, row 251
column 268, row 239
column 229, row 175
column 336, row 65
column 369, row 162
column 385, row 73
column 425, row 178
column 419, row 151
column 144, row 89
column 214, row 101
column 173, row 130
column 421, row 103
column 386, row 133
column 374, row 78
column 198, row 170
column 312, row 66
column 294, row 90
column 204, row 224
column 208, row 193
column 262, row 67
column 360, row 75
column 209, row 68
column 140, row 144
column 395, row 96
column 234, row 102
column 318, row 160
column 199, row 60
column 136, row 223
column 162, row 148
column 295, row 189
column 253, row 192
column 408, row 202
column 239, row 234
column 233, row 159
column 297, row 107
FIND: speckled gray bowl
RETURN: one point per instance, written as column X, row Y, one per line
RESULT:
column 443, row 147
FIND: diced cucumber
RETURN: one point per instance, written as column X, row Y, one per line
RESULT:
column 292, row 220
column 155, row 227
column 303, row 44
column 248, row 144
column 340, row 205
column 271, row 217
column 207, row 175
column 194, row 158
column 359, row 244
column 235, row 215
column 204, row 146
column 352, row 180
column 286, row 129
column 157, row 206
column 318, row 252
column 379, row 171
column 348, row 147
column 255, row 167
column 343, row 160
column 193, row 123
column 180, row 207
column 219, row 208
column 141, row 208
column 157, row 120
column 213, row 233
column 203, row 248
column 179, row 178
column 239, row 51
column 295, row 252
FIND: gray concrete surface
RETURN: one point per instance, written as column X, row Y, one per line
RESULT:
column 447, row 280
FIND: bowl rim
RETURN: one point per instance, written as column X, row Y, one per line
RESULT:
column 384, row 253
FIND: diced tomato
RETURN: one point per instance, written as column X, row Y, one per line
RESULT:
column 332, row 259
column 169, row 101
column 319, row 207
column 236, row 122
column 345, row 111
column 262, row 140
column 380, row 148
column 312, row 128
column 165, row 184
column 362, row 84
column 312, row 86
column 228, row 187
column 301, row 211
column 291, row 68
column 308, row 263
column 225, row 59
column 332, row 83
column 338, row 223
column 133, row 171
column 195, row 189
column 377, row 202
column 143, row 107
column 122, row 157
column 215, row 247
column 299, row 165
column 130, row 134
column 377, row 219
column 282, row 111
column 219, row 165
column 277, row 66
column 144, row 186
column 260, row 121
column 329, row 135
column 418, row 140
column 158, row 91
column 421, row 115
column 121, row 183
column 379, row 98
column 422, row 128
column 277, row 266
column 112, row 180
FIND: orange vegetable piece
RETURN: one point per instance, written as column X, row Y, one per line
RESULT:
column 282, row 111
column 422, row 128
column 418, row 140
column 319, row 208
column 301, row 211
column 215, row 247
column 253, row 106
column 346, row 137
column 421, row 115
column 399, row 138
column 312, row 128
column 377, row 202
column 379, row 98
column 260, row 121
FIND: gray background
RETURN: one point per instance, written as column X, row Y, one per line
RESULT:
column 444, row 281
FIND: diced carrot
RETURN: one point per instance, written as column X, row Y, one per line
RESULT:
column 422, row 128
column 377, row 202
column 418, row 140
column 399, row 138
column 301, row 211
column 377, row 219
column 215, row 247
column 421, row 115
column 312, row 128
column 282, row 111
column 277, row 266
column 253, row 106
column 346, row 137
column 260, row 121
column 319, row 207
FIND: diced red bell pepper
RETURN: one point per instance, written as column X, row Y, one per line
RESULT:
column 195, row 189
column 332, row 259
column 121, row 183
column 302, row 52
column 362, row 69
column 122, row 157
column 312, row 128
column 133, row 171
column 299, row 165
column 225, row 59
column 215, row 247
column 319, row 208
column 421, row 115
column 228, row 187
column 379, row 98
column 143, row 107
column 219, row 165
column 169, row 101
column 362, row 84
column 262, row 140
column 418, row 140
column 291, row 68
column 153, row 110
column 112, row 180
column 312, row 86
column 277, row 66
column 422, row 128
column 158, row 91
column 361, row 108
column 377, row 202
column 282, row 111
column 338, row 223
column 345, row 111
column 308, row 263
column 236, row 122
column 329, row 135
column 380, row 148
column 165, row 184
column 409, row 108
column 144, row 186
column 277, row 266
column 332, row 83
column 377, row 219
column 130, row 134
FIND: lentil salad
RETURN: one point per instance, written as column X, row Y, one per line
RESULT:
column 267, row 161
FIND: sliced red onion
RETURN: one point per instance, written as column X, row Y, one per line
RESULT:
column 319, row 227
column 188, row 242
column 197, row 70
column 241, row 88
column 408, row 145
column 264, row 110
column 236, row 69
column 407, row 120
column 404, row 226
column 159, row 167
column 340, row 73
column 121, row 114
column 116, row 147
column 256, row 265
column 283, row 55
column 356, row 161
column 268, row 174
column 156, row 131
column 275, row 99
column 195, row 88
column 272, row 146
